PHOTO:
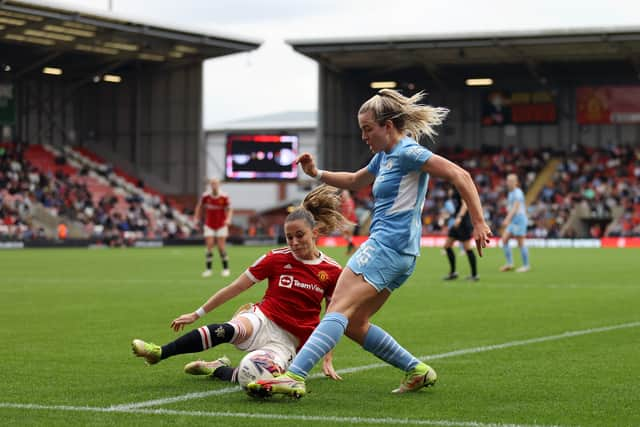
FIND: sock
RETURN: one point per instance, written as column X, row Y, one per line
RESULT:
column 452, row 260
column 507, row 253
column 349, row 245
column 199, row 339
column 208, row 258
column 225, row 259
column 472, row 262
column 524, row 253
column 324, row 338
column 226, row 373
column 386, row 348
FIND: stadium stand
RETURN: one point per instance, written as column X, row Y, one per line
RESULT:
column 43, row 186
column 591, row 193
column 586, row 192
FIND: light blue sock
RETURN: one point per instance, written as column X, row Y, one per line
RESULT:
column 524, row 252
column 385, row 347
column 324, row 338
column 507, row 253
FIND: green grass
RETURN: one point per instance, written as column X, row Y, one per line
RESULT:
column 67, row 318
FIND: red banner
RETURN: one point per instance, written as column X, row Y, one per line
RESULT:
column 506, row 108
column 608, row 105
column 620, row 242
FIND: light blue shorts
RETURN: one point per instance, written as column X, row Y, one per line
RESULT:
column 518, row 226
column 381, row 267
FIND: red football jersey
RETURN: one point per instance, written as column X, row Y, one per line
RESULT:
column 215, row 209
column 348, row 209
column 295, row 290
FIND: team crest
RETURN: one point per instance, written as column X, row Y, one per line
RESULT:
column 323, row 276
column 389, row 165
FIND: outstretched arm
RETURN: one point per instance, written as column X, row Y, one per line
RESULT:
column 239, row 285
column 349, row 180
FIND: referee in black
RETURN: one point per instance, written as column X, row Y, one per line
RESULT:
column 461, row 231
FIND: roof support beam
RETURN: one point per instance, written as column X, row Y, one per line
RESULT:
column 37, row 64
column 432, row 71
column 633, row 57
column 530, row 63
column 143, row 29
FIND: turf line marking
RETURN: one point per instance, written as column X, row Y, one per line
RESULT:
column 569, row 334
column 167, row 400
column 264, row 416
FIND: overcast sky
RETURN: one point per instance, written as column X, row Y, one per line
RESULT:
column 274, row 78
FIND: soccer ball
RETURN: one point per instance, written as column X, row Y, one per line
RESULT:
column 257, row 365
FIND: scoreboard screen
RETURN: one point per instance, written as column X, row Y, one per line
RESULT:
column 268, row 157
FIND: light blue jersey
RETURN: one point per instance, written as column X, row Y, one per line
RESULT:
column 399, row 191
column 516, row 195
column 450, row 208
column 518, row 225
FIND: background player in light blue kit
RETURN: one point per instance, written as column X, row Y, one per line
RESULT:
column 515, row 224
column 399, row 170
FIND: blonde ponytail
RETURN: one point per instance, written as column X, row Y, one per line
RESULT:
column 407, row 114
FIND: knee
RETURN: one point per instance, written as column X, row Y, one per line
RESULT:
column 357, row 331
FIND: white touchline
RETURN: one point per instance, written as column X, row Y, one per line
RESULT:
column 265, row 416
column 569, row 334
column 137, row 407
column 167, row 400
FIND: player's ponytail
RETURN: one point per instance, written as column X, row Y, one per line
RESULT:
column 321, row 209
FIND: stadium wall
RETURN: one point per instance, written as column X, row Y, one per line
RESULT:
column 342, row 92
column 150, row 124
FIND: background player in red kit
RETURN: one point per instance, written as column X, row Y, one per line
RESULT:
column 217, row 214
column 348, row 209
column 299, row 278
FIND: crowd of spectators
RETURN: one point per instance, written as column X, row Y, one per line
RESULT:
column 595, row 183
column 15, row 208
column 489, row 168
column 599, row 185
column 113, row 218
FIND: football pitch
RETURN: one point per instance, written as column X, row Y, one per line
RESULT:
column 559, row 345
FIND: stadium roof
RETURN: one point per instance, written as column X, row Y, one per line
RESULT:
column 432, row 51
column 69, row 36
column 276, row 121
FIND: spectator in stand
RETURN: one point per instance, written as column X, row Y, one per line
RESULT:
column 218, row 214
column 63, row 231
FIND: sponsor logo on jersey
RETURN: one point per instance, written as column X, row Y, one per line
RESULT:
column 285, row 281
column 288, row 266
